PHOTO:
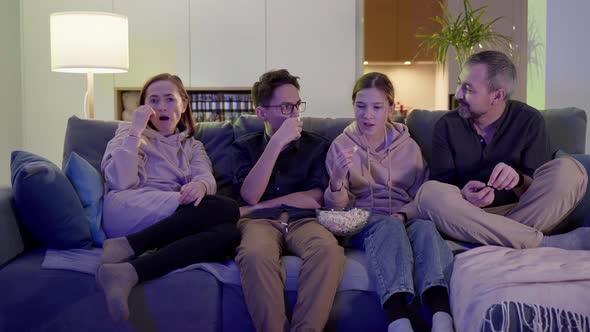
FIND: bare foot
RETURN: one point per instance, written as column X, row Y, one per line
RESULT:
column 117, row 281
column 116, row 250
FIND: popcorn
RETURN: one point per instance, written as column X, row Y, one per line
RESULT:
column 343, row 222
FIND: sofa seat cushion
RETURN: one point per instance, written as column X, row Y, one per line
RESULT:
column 356, row 276
column 37, row 299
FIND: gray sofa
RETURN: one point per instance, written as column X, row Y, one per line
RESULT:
column 36, row 299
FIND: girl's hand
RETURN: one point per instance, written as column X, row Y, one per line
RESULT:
column 192, row 192
column 341, row 167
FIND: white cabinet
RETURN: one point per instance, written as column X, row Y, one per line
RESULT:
column 227, row 42
column 158, row 40
column 316, row 40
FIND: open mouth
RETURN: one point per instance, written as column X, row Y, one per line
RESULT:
column 164, row 118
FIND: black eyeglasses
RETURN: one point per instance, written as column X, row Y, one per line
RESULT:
column 288, row 109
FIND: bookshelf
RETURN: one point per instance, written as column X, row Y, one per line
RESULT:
column 208, row 104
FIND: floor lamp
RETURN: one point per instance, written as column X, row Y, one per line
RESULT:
column 89, row 42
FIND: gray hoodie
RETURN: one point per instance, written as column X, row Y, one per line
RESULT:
column 384, row 181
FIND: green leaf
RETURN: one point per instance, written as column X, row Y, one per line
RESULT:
column 463, row 32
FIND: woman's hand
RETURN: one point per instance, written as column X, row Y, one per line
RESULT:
column 141, row 116
column 192, row 192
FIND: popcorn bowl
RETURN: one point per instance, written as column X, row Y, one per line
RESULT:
column 344, row 221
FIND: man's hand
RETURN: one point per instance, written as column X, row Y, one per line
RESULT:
column 340, row 168
column 503, row 177
column 478, row 194
column 192, row 192
column 289, row 131
column 141, row 116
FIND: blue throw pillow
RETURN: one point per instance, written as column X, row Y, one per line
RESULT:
column 89, row 184
column 47, row 204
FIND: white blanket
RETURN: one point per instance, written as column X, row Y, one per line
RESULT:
column 86, row 261
column 547, row 277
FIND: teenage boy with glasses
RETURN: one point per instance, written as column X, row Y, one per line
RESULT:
column 280, row 176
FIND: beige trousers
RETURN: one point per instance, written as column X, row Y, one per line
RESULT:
column 557, row 187
column 263, row 276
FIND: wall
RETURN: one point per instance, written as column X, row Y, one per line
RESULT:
column 51, row 98
column 315, row 40
column 10, row 86
column 513, row 23
column 414, row 84
column 567, row 66
column 537, row 40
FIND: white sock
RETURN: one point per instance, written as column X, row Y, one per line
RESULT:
column 442, row 322
column 400, row 325
column 578, row 239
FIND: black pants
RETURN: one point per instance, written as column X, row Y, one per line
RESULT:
column 192, row 234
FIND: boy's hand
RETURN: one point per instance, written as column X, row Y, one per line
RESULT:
column 289, row 131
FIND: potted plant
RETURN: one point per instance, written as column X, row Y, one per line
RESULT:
column 468, row 30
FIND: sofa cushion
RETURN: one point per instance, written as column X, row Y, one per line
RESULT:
column 421, row 125
column 566, row 128
column 11, row 240
column 90, row 187
column 88, row 138
column 47, row 204
column 217, row 137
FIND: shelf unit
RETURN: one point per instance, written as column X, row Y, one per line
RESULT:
column 208, row 104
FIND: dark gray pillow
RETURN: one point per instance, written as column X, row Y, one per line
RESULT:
column 421, row 124
column 88, row 138
column 566, row 128
column 247, row 124
column 11, row 239
column 217, row 137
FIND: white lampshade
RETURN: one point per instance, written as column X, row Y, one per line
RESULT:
column 83, row 42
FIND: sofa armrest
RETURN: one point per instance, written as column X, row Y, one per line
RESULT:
column 11, row 240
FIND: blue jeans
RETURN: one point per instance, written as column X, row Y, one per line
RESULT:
column 392, row 263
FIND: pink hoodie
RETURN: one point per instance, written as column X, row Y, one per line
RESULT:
column 384, row 181
column 144, row 175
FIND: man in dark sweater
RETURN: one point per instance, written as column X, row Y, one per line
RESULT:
column 492, row 180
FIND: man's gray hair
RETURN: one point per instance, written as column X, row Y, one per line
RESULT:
column 501, row 70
